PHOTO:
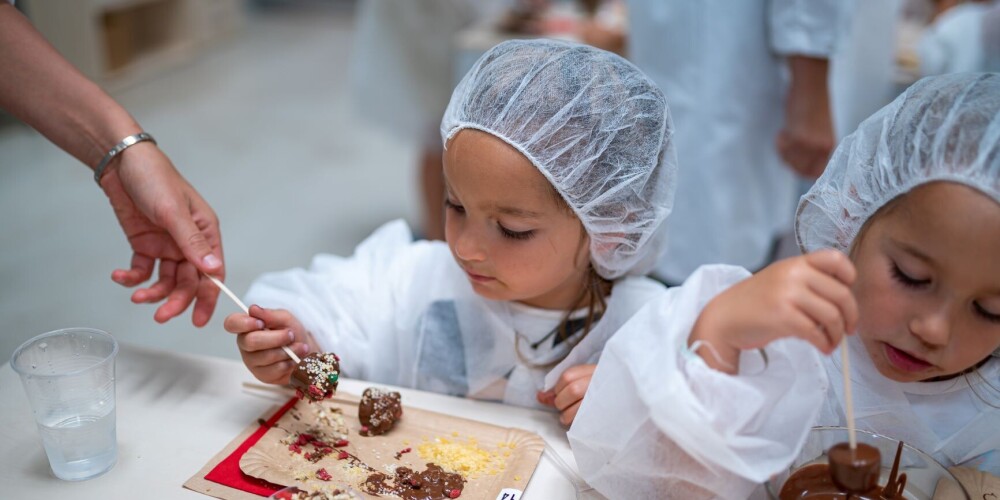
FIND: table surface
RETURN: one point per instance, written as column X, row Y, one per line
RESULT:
column 176, row 411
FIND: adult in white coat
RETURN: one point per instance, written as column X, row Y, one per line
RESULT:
column 956, row 39
column 696, row 427
column 863, row 67
column 402, row 74
column 722, row 66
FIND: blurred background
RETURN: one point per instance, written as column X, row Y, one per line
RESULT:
column 306, row 124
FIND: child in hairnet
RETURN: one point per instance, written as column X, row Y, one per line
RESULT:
column 912, row 199
column 560, row 172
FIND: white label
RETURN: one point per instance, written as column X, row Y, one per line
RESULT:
column 509, row 494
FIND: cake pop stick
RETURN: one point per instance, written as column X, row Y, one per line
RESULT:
column 845, row 360
column 853, row 469
column 247, row 310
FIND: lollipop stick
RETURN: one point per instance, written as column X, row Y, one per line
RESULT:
column 848, row 399
column 243, row 306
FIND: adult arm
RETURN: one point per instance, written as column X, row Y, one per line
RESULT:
column 164, row 219
column 805, row 33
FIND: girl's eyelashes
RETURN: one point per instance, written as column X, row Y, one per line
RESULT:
column 905, row 279
column 515, row 235
column 988, row 316
column 448, row 204
column 507, row 233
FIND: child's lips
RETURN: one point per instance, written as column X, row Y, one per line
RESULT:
column 478, row 277
column 904, row 361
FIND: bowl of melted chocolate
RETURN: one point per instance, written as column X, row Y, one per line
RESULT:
column 827, row 468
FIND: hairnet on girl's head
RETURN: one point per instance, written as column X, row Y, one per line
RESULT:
column 943, row 128
column 595, row 126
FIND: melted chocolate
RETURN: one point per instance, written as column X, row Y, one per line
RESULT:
column 434, row 483
column 317, row 375
column 378, row 411
column 816, row 481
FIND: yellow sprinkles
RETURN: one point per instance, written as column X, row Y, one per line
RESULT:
column 465, row 458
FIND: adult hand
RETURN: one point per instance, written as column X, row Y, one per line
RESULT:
column 807, row 138
column 167, row 223
column 808, row 297
column 568, row 393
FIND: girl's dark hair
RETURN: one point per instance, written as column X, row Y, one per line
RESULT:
column 594, row 291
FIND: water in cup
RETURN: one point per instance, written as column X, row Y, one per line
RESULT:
column 80, row 447
column 69, row 377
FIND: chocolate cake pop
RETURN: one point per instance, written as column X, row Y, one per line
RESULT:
column 378, row 411
column 854, row 470
column 316, row 376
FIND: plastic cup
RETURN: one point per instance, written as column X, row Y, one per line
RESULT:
column 69, row 377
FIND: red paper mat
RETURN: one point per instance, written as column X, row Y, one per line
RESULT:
column 228, row 471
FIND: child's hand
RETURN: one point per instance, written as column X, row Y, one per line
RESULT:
column 808, row 297
column 568, row 393
column 260, row 335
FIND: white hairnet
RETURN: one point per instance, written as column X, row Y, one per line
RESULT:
column 595, row 126
column 943, row 128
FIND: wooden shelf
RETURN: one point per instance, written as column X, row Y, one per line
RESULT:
column 120, row 42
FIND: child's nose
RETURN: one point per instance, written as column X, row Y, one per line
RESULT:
column 932, row 327
column 468, row 246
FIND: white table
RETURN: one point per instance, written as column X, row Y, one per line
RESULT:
column 176, row 411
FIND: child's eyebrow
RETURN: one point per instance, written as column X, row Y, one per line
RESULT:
column 518, row 212
column 906, row 247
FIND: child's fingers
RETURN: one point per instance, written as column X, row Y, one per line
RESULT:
column 823, row 313
column 837, row 293
column 272, row 318
column 266, row 357
column 260, row 340
column 808, row 330
column 572, row 393
column 301, row 349
column 571, row 375
column 806, row 327
column 547, row 398
column 242, row 323
column 833, row 263
column 569, row 414
column 276, row 373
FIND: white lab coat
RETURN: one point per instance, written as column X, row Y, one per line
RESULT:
column 953, row 43
column 677, row 423
column 402, row 62
column 720, row 64
column 658, row 420
column 403, row 313
column 863, row 68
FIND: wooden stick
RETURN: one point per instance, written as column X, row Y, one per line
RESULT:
column 243, row 306
column 846, row 368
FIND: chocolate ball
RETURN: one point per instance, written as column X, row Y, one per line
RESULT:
column 857, row 470
column 317, row 375
column 378, row 411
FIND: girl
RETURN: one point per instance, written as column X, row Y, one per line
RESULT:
column 559, row 172
column 913, row 197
